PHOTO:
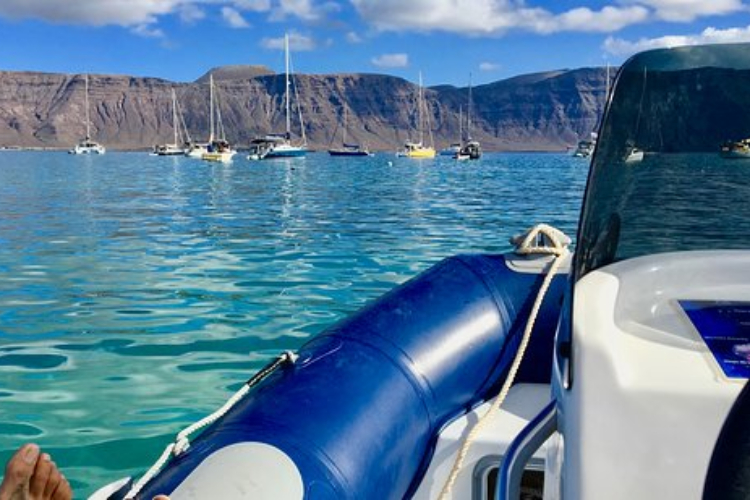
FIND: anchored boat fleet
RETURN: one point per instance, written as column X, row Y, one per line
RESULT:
column 618, row 370
column 273, row 145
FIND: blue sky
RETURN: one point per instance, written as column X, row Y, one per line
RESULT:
column 446, row 40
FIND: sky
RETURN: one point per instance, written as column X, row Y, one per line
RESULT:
column 447, row 41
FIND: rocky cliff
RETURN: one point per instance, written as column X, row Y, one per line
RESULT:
column 544, row 111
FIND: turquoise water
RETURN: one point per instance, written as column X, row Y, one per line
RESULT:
column 139, row 292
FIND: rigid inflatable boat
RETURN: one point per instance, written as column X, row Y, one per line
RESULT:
column 615, row 373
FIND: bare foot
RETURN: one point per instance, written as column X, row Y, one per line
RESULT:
column 32, row 475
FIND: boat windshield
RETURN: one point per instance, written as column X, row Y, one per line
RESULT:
column 671, row 170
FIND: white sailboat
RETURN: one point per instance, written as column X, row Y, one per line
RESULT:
column 218, row 148
column 281, row 146
column 418, row 149
column 454, row 148
column 585, row 147
column 634, row 154
column 178, row 146
column 87, row 145
column 470, row 149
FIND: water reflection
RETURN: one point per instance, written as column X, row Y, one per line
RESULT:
column 139, row 291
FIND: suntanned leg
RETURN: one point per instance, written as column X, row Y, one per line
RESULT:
column 32, row 475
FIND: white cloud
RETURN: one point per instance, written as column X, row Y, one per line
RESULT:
column 190, row 13
column 92, row 12
column 689, row 10
column 353, row 37
column 253, row 5
column 144, row 13
column 234, row 18
column 621, row 47
column 391, row 61
column 147, row 31
column 606, row 20
column 297, row 42
column 483, row 17
column 307, row 10
column 488, row 66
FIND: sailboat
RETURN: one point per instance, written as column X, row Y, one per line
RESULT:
column 470, row 148
column 633, row 153
column 177, row 147
column 87, row 145
column 347, row 149
column 585, row 147
column 453, row 149
column 198, row 149
column 418, row 149
column 281, row 146
column 218, row 148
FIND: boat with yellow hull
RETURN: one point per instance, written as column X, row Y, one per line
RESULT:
column 417, row 150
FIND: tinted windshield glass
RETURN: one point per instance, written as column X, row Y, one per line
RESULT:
column 671, row 170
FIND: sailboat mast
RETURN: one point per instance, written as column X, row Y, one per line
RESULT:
column 419, row 111
column 606, row 91
column 174, row 116
column 460, row 123
column 211, row 107
column 286, row 88
column 468, row 113
column 345, row 124
column 88, row 125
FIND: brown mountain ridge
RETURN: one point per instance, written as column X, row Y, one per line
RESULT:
column 541, row 111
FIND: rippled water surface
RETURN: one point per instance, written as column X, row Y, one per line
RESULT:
column 138, row 292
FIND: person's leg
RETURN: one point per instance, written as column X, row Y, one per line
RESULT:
column 32, row 475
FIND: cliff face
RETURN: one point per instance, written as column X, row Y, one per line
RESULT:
column 544, row 111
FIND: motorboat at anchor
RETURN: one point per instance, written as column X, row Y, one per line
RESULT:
column 613, row 372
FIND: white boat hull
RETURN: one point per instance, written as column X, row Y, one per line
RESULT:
column 222, row 157
column 88, row 150
column 196, row 152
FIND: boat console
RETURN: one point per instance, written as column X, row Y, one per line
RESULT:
column 661, row 351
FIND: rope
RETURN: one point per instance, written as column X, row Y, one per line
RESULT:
column 527, row 244
column 182, row 441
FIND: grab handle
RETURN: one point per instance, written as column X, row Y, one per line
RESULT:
column 521, row 449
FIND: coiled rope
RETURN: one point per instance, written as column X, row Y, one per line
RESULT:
column 541, row 239
column 182, row 441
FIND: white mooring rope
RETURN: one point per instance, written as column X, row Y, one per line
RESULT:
column 182, row 441
column 541, row 239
